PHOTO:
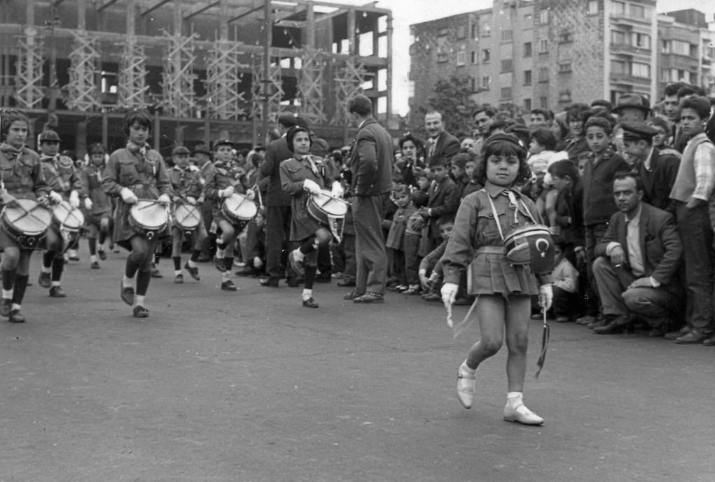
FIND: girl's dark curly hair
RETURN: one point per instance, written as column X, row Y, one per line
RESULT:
column 292, row 132
column 503, row 145
column 9, row 116
column 142, row 117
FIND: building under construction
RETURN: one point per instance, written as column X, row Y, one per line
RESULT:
column 202, row 68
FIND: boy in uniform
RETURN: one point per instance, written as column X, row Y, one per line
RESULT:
column 62, row 177
column 97, row 205
column 188, row 185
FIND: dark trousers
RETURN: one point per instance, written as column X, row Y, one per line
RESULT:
column 344, row 257
column 371, row 254
column 325, row 265
column 697, row 238
column 209, row 243
column 412, row 258
column 594, row 233
column 277, row 235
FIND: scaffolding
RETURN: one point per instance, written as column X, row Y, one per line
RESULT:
column 132, row 88
column 82, row 92
column 310, row 86
column 28, row 82
column 349, row 81
column 178, row 77
column 223, row 99
column 271, row 87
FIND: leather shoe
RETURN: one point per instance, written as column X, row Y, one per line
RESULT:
column 57, row 292
column 126, row 293
column 45, row 279
column 269, row 282
column 585, row 320
column 615, row 325
column 155, row 273
column 16, row 317
column 5, row 307
column 346, row 283
column 710, row 341
column 179, row 279
column 228, row 286
column 694, row 336
column 193, row 272
column 656, row 332
column 677, row 334
column 293, row 282
column 431, row 297
column 310, row 303
column 102, row 254
column 370, row 297
column 140, row 312
column 351, row 296
column 95, row 265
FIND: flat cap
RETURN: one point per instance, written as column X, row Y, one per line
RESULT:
column 636, row 131
column 180, row 150
column 49, row 136
column 223, row 142
column 287, row 119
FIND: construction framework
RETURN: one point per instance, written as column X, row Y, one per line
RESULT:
column 28, row 84
column 82, row 92
column 223, row 99
column 310, row 86
column 178, row 77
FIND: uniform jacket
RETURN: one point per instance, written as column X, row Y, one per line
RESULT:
column 293, row 174
column 444, row 198
column 276, row 152
column 186, row 182
column 598, row 201
column 61, row 175
column 91, row 180
column 660, row 244
column 371, row 160
column 20, row 172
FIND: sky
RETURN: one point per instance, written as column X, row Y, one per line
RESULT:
column 407, row 12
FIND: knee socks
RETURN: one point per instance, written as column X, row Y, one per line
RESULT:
column 19, row 293
column 92, row 247
column 226, row 275
column 58, row 266
column 8, row 283
column 143, row 279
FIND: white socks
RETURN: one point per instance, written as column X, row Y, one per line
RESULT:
column 307, row 294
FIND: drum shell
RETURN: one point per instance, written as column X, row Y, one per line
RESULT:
column 25, row 237
column 320, row 212
column 239, row 209
column 146, row 226
column 63, row 212
column 187, row 217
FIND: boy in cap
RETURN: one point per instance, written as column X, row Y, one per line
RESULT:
column 62, row 177
column 187, row 183
column 97, row 205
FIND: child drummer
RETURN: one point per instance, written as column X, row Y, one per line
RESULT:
column 219, row 186
column 504, row 289
column 96, row 203
column 20, row 178
column 187, row 183
column 133, row 173
column 302, row 176
column 62, row 177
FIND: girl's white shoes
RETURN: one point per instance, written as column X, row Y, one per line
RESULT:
column 516, row 411
column 466, row 387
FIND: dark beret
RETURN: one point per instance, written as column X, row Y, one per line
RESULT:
column 635, row 131
column 179, row 150
column 287, row 120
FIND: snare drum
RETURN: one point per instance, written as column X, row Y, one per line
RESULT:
column 238, row 208
column 67, row 217
column 187, row 217
column 324, row 205
column 148, row 217
column 26, row 222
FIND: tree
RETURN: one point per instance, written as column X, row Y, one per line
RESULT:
column 452, row 98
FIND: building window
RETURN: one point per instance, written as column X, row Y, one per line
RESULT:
column 486, row 30
column 507, row 35
column 543, row 45
column 694, row 78
column 665, row 46
column 641, row 40
column 527, row 18
column 565, row 37
column 592, row 7
column 527, row 105
column 442, row 57
column 544, row 17
column 486, row 54
column 461, row 32
column 475, row 57
column 506, row 93
column 665, row 75
column 486, row 80
column 637, row 11
column 527, row 49
column 544, row 74
column 618, row 67
column 475, row 31
column 566, row 67
column 618, row 37
column 544, row 102
column 679, row 47
column 527, row 77
column 473, row 84
column 619, row 8
column 640, row 70
column 565, row 96
column 461, row 57
column 443, row 32
column 507, row 65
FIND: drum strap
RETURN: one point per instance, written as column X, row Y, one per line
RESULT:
column 514, row 202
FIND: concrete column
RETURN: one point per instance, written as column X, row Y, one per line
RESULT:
column 80, row 140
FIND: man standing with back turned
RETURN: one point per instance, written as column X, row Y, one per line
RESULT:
column 371, row 166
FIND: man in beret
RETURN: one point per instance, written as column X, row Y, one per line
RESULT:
column 657, row 171
column 202, row 159
column 278, row 210
column 370, row 162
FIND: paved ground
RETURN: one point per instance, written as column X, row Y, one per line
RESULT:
column 250, row 386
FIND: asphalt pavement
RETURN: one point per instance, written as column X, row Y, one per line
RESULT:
column 250, row 386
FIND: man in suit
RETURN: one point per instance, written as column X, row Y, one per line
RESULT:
column 442, row 146
column 278, row 211
column 637, row 262
column 371, row 167
column 657, row 171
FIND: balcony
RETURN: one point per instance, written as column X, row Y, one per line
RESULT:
column 629, row 50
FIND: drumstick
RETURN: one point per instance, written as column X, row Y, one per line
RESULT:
column 151, row 202
column 335, row 198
